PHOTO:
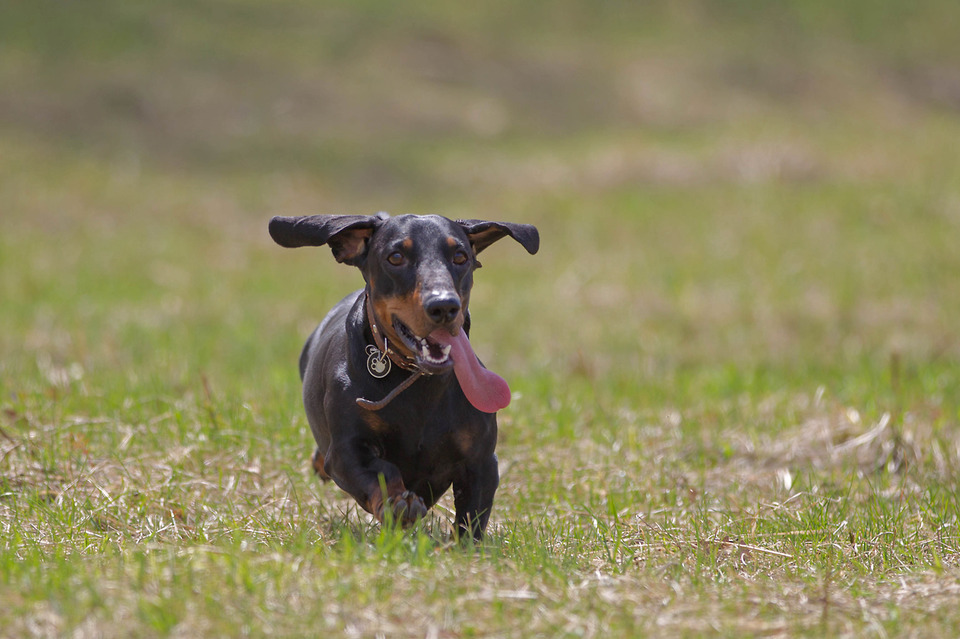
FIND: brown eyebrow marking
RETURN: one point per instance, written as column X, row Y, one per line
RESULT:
column 451, row 241
column 408, row 243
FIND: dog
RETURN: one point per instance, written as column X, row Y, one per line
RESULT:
column 399, row 405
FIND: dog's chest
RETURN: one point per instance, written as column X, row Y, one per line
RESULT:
column 428, row 444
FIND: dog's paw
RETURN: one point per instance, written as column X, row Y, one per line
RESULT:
column 407, row 508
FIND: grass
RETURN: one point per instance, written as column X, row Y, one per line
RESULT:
column 735, row 360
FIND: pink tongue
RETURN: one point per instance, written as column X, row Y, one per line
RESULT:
column 486, row 390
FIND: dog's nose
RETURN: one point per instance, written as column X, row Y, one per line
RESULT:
column 442, row 308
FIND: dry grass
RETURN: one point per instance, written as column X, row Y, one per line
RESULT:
column 735, row 358
column 821, row 529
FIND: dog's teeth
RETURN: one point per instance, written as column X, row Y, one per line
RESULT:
column 428, row 348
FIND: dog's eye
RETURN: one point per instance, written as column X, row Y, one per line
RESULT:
column 395, row 258
column 460, row 258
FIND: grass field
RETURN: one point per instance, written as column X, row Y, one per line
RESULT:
column 735, row 360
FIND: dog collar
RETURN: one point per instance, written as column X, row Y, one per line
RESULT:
column 379, row 357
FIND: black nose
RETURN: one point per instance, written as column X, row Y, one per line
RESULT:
column 442, row 308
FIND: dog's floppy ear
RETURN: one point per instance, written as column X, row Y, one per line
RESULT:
column 347, row 235
column 483, row 234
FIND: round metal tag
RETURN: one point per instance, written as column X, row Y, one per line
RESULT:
column 378, row 364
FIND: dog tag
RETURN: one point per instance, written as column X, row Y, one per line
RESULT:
column 378, row 364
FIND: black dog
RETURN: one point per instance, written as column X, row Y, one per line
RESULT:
column 395, row 396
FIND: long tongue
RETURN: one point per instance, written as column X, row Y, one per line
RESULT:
column 486, row 390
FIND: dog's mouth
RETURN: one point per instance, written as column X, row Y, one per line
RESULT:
column 442, row 351
column 429, row 353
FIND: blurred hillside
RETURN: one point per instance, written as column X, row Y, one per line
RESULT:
column 373, row 102
column 731, row 180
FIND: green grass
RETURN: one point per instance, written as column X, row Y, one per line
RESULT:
column 735, row 358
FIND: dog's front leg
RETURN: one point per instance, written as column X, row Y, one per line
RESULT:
column 357, row 468
column 473, row 491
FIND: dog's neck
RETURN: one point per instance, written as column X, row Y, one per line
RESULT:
column 380, row 340
column 408, row 364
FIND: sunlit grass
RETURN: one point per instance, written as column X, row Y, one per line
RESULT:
column 734, row 360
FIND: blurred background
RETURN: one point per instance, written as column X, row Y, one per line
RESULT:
column 733, row 195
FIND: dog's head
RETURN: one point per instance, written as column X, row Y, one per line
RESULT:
column 418, row 269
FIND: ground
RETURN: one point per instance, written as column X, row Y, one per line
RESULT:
column 734, row 361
